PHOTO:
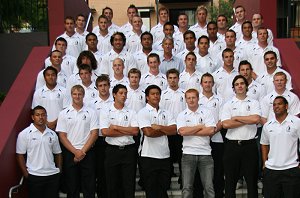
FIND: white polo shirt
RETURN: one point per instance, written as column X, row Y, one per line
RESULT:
column 91, row 92
column 141, row 61
column 236, row 107
column 199, row 31
column 133, row 42
column 173, row 63
column 178, row 46
column 282, row 138
column 256, row 57
column 77, row 124
column 136, row 99
column 39, row 148
column 67, row 66
column 108, row 58
column 238, row 30
column 215, row 48
column 256, row 91
column 178, row 35
column 154, row 147
column 125, row 118
column 267, row 104
column 149, row 79
column 76, row 44
column 158, row 32
column 61, row 79
column 173, row 101
column 111, row 29
column 239, row 55
column 244, row 45
column 196, row 145
column 104, row 45
column 270, row 36
column 183, row 54
column 223, row 83
column 206, row 63
column 52, row 100
column 187, row 81
column 127, row 27
column 266, row 80
column 214, row 104
column 114, row 81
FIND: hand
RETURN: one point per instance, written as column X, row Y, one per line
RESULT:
column 51, row 125
column 113, row 127
column 155, row 127
column 79, row 155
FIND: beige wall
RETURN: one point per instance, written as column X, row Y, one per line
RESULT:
column 120, row 8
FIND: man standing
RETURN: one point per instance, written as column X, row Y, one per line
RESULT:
column 257, row 21
column 39, row 156
column 78, row 131
column 103, row 35
column 240, row 16
column 156, row 124
column 119, row 125
column 279, row 142
column 133, row 38
column 118, row 76
column 112, row 28
column 183, row 22
column 200, row 28
column 80, row 25
column 196, row 124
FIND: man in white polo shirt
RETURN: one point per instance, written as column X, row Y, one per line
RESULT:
column 200, row 28
column 39, row 156
column 240, row 115
column 119, row 125
column 78, row 130
column 196, row 124
column 118, row 76
column 155, row 124
column 279, row 144
column 240, row 16
column 108, row 13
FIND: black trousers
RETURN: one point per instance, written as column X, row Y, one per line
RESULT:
column 100, row 147
column 156, row 175
column 282, row 183
column 43, row 186
column 120, row 169
column 80, row 175
column 241, row 158
column 218, row 154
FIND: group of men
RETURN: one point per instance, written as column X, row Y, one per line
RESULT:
column 122, row 96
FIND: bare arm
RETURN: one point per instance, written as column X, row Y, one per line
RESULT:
column 22, row 164
column 58, row 161
column 263, row 120
column 91, row 141
column 150, row 132
column 117, row 131
column 251, row 119
column 79, row 154
column 264, row 153
column 190, row 130
column 167, row 130
column 52, row 125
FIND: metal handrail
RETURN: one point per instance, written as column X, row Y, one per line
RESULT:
column 88, row 21
column 12, row 189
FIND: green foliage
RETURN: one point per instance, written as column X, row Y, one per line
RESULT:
column 226, row 8
column 2, row 96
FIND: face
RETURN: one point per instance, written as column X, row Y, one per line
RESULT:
column 182, row 21
column 39, row 117
column 247, row 29
column 86, row 60
column 134, row 79
column 137, row 23
column 279, row 107
column 103, row 88
column 130, row 13
column 154, row 97
column 230, row 38
column 80, row 22
column 69, row 25
column 147, row 42
column 118, row 42
column 103, row 24
column 169, row 30
column 192, row 100
column 56, row 58
column 61, row 46
column 50, row 78
column 108, row 13
column 221, row 22
column 153, row 64
column 120, row 96
column 85, row 76
column 118, row 66
column 256, row 20
column 77, row 97
column 212, row 30
column 92, row 42
column 240, row 14
column 240, row 86
column 203, row 46
column 201, row 16
column 168, row 45
column 262, row 35
column 245, row 71
column 270, row 61
column 163, row 16
column 228, row 59
column 173, row 80
column 279, row 82
column 207, row 83
column 190, row 62
column 189, row 41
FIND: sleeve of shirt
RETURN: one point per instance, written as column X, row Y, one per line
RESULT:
column 34, row 100
column 104, row 65
column 104, row 122
column 144, row 119
column 264, row 140
column 134, row 121
column 255, row 110
column 21, row 146
column 61, row 125
column 209, row 120
column 180, row 121
column 131, row 62
column 94, row 121
column 171, row 119
column 225, row 112
column 40, row 81
column 56, row 147
column 265, row 108
column 294, row 107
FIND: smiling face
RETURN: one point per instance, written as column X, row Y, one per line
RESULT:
column 182, row 21
column 240, row 86
column 77, row 97
column 39, row 117
column 279, row 107
column 153, row 97
column 103, row 88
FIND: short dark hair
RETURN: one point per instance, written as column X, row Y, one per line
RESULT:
column 239, row 6
column 132, row 6
column 146, row 33
column 189, row 32
column 238, row 77
column 246, row 22
column 61, row 39
column 49, row 68
column 88, row 55
column 38, row 107
column 101, row 78
column 102, row 17
column 106, row 8
column 282, row 98
column 190, row 53
column 134, row 71
column 168, row 23
column 54, row 52
column 231, row 31
column 90, row 34
column 207, row 75
column 270, row 52
column 212, row 22
column 117, row 87
column 153, row 55
column 172, row 71
column 85, row 67
column 69, row 18
column 150, row 87
column 120, row 34
column 226, row 50
column 245, row 62
column 80, row 15
column 201, row 37
column 222, row 15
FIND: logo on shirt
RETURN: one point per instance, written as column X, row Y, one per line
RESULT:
column 50, row 140
column 248, row 108
column 84, row 117
column 254, row 91
column 141, row 97
column 163, row 116
column 200, row 120
column 125, row 118
column 288, row 129
column 58, row 95
column 181, row 99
